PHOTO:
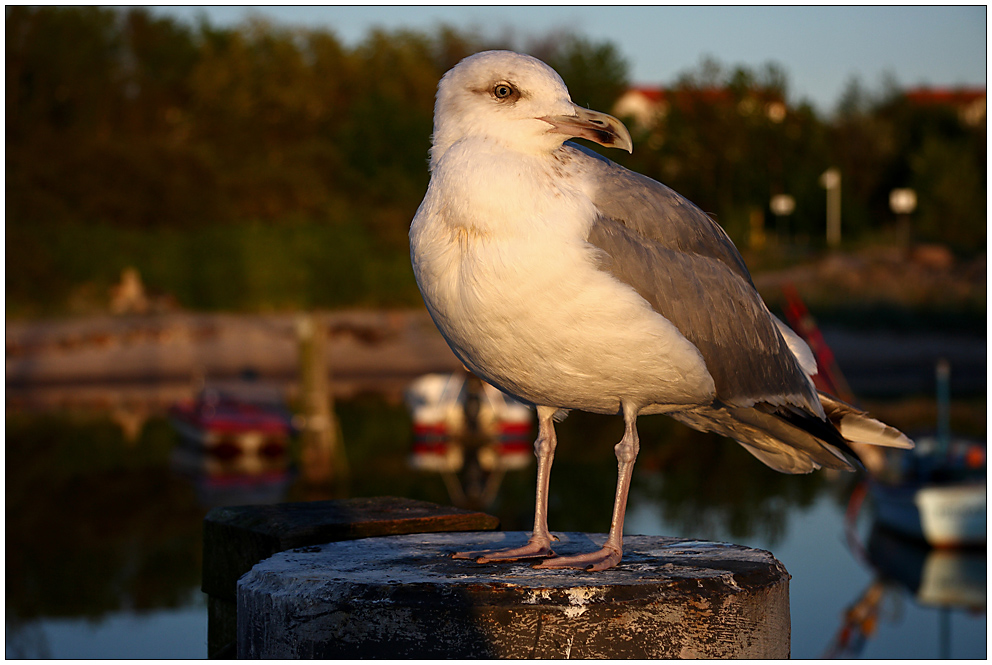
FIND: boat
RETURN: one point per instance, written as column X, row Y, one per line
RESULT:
column 458, row 412
column 936, row 496
column 234, row 420
column 936, row 492
column 234, row 443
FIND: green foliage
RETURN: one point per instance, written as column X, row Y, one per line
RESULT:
column 596, row 74
column 266, row 167
column 724, row 142
column 884, row 142
column 254, row 266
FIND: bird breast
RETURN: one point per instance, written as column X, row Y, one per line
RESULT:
column 514, row 288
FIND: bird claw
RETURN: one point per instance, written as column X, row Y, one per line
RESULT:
column 590, row 562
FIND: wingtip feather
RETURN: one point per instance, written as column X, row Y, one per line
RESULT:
column 860, row 428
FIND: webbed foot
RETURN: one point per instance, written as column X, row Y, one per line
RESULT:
column 534, row 549
column 592, row 561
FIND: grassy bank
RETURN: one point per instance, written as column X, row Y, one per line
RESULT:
column 71, row 269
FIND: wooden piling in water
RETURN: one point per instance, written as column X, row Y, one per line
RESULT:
column 405, row 597
column 322, row 454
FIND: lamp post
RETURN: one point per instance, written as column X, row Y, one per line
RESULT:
column 782, row 205
column 902, row 201
column 831, row 181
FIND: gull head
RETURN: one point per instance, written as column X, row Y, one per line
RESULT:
column 518, row 103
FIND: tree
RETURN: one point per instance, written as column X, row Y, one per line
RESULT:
column 727, row 141
column 158, row 144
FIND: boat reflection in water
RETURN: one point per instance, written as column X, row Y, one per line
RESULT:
column 936, row 577
column 950, row 580
column 470, row 433
column 234, row 444
column 905, row 563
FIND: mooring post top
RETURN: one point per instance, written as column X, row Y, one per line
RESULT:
column 653, row 564
column 406, row 597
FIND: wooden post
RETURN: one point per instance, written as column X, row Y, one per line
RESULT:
column 236, row 538
column 405, row 597
column 322, row 456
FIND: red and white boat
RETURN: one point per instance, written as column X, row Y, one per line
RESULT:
column 230, row 422
column 453, row 411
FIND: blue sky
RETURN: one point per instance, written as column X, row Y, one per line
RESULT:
column 820, row 48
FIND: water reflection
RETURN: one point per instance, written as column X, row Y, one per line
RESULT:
column 251, row 478
column 101, row 528
column 95, row 525
column 928, row 534
column 234, row 442
column 944, row 578
column 951, row 580
column 469, row 433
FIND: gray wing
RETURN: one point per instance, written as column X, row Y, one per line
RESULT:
column 685, row 266
column 656, row 212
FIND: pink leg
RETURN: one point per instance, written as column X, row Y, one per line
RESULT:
column 612, row 550
column 539, row 545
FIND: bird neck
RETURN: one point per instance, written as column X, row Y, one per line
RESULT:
column 521, row 137
column 498, row 191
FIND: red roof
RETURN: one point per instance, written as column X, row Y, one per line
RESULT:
column 945, row 96
column 653, row 94
column 707, row 95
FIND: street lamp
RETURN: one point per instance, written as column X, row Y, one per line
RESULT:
column 782, row 205
column 831, row 181
column 902, row 201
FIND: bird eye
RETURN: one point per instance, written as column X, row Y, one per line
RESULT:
column 502, row 90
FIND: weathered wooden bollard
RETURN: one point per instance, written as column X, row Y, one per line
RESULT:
column 405, row 597
column 238, row 537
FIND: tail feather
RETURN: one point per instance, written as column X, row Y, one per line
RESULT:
column 807, row 437
column 781, row 458
column 858, row 427
column 793, row 442
column 772, row 439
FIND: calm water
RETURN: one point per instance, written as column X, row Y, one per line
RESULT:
column 103, row 533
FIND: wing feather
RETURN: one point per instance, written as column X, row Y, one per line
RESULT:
column 682, row 263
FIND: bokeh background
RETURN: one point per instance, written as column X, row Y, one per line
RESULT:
column 265, row 166
column 182, row 183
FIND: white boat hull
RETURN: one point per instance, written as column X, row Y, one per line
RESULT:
column 952, row 515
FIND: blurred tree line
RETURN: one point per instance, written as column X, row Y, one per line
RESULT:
column 729, row 142
column 264, row 167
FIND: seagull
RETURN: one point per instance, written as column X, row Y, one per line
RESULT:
column 570, row 282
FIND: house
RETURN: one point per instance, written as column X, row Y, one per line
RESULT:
column 645, row 105
column 969, row 102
